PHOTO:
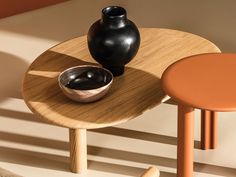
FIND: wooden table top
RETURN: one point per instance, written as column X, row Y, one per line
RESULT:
column 205, row 81
column 138, row 90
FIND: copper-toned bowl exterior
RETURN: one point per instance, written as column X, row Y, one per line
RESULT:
column 84, row 96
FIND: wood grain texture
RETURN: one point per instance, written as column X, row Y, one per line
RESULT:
column 78, row 150
column 151, row 172
column 138, row 90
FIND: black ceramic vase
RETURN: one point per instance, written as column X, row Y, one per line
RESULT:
column 113, row 40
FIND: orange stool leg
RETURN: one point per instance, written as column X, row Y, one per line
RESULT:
column 208, row 129
column 185, row 141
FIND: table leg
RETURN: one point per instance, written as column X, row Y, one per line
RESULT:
column 185, row 141
column 78, row 150
column 208, row 129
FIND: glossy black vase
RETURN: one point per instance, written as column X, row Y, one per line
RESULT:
column 113, row 40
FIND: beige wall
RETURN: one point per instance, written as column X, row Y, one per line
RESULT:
column 33, row 149
column 212, row 19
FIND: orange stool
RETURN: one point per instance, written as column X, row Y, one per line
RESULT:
column 206, row 82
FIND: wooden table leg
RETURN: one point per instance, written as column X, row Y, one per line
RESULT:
column 151, row 172
column 185, row 141
column 208, row 129
column 78, row 150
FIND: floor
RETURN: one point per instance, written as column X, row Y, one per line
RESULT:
column 31, row 148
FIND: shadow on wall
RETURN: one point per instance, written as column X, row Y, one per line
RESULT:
column 57, row 22
column 12, row 69
column 6, row 173
column 73, row 18
column 14, row 7
column 60, row 162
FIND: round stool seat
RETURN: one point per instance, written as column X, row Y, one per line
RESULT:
column 205, row 81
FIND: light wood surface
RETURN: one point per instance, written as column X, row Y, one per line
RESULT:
column 151, row 172
column 138, row 90
column 78, row 150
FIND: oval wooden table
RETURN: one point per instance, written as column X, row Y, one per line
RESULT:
column 138, row 90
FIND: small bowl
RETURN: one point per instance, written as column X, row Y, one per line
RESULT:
column 85, row 83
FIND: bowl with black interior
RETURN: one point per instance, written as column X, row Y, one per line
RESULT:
column 85, row 83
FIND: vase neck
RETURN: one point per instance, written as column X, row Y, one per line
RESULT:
column 114, row 16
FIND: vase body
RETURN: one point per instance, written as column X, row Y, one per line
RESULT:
column 113, row 40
